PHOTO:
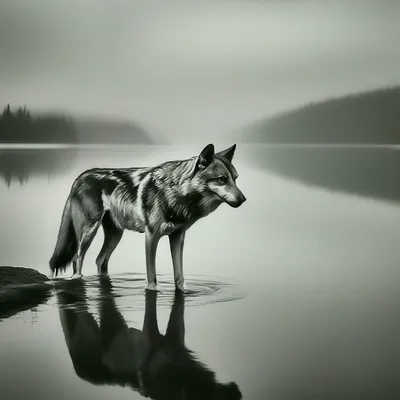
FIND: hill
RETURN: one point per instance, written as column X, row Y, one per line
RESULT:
column 367, row 172
column 369, row 118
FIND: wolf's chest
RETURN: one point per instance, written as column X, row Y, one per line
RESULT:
column 190, row 210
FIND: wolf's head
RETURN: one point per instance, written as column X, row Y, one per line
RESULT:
column 216, row 176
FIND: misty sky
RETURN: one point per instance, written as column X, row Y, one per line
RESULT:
column 185, row 69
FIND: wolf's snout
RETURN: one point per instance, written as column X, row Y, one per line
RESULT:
column 238, row 201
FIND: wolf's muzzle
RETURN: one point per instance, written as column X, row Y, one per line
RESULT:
column 238, row 201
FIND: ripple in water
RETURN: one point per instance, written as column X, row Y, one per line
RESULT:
column 129, row 288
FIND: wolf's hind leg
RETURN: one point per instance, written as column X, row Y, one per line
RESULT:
column 112, row 236
column 85, row 242
column 86, row 223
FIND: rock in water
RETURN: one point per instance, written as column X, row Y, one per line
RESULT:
column 20, row 275
column 21, row 289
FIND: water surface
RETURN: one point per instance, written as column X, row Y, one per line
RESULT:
column 294, row 295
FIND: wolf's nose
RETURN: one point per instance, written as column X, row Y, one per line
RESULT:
column 242, row 198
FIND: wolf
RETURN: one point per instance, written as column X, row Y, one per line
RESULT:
column 164, row 200
column 109, row 352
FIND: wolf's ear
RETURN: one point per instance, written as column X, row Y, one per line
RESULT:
column 206, row 157
column 228, row 153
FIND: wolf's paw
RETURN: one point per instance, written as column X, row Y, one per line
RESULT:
column 152, row 287
column 180, row 285
column 181, row 289
column 76, row 276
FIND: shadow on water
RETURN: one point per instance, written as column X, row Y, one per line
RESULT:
column 20, row 165
column 23, row 298
column 367, row 172
column 112, row 353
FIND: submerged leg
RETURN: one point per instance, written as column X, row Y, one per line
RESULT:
column 151, row 245
column 111, row 320
column 112, row 236
column 150, row 325
column 87, row 237
column 176, row 325
column 86, row 215
column 176, row 242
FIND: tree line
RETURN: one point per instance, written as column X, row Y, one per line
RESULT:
column 371, row 117
column 20, row 126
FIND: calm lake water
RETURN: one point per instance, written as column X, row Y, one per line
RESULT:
column 294, row 295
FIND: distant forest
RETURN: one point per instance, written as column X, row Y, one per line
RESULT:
column 363, row 118
column 20, row 126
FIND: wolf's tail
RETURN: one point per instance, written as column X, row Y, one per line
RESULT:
column 67, row 244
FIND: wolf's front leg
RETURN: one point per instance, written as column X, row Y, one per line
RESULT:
column 176, row 242
column 152, row 240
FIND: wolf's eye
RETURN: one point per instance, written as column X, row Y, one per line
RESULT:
column 222, row 180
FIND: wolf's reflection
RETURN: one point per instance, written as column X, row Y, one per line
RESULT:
column 111, row 353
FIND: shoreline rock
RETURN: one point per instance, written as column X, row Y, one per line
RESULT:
column 22, row 288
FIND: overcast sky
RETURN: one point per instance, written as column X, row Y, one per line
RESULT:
column 188, row 68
